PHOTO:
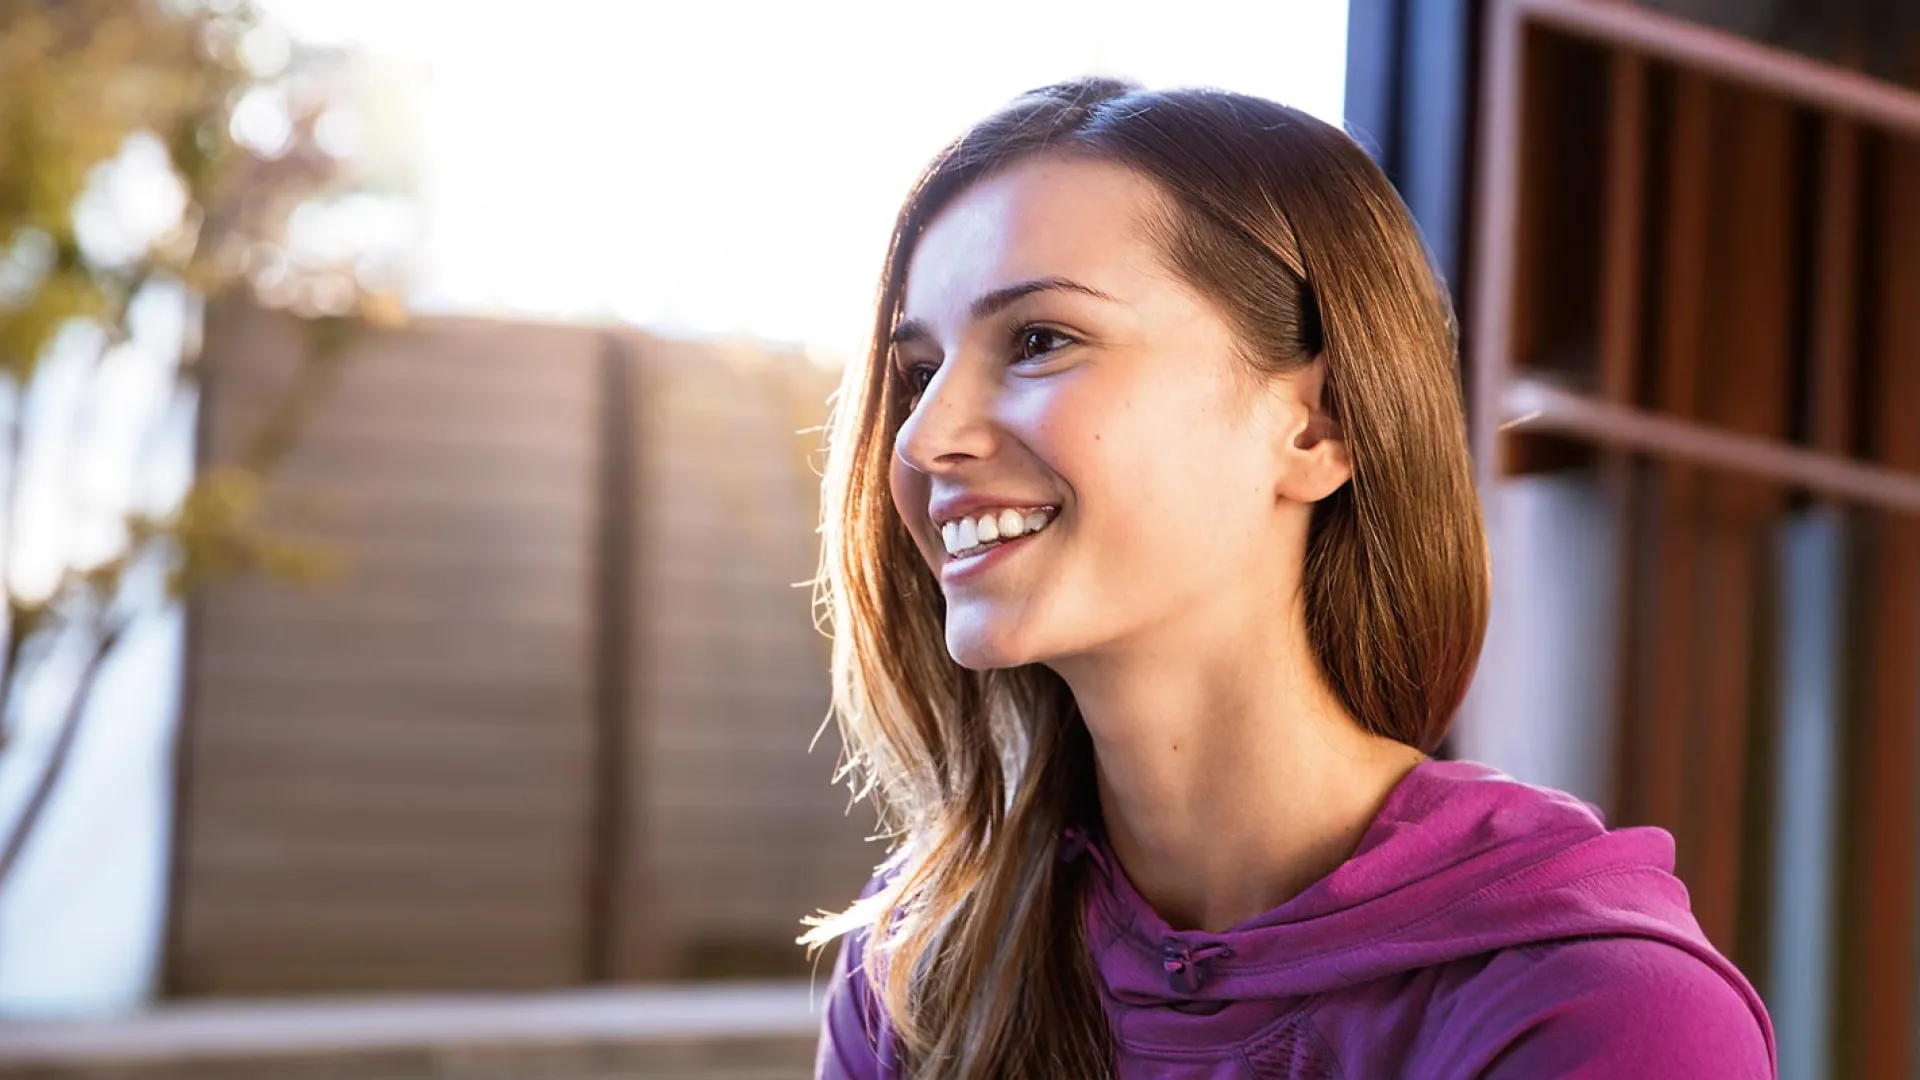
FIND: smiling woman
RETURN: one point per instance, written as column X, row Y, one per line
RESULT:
column 1156, row 571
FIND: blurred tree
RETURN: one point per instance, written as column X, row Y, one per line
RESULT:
column 151, row 155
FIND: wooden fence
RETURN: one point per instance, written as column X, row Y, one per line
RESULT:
column 551, row 726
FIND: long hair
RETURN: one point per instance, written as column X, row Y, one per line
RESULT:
column 977, row 947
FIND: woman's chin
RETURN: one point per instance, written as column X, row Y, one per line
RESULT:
column 988, row 647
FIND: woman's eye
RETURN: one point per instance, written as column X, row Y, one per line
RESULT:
column 916, row 379
column 1033, row 342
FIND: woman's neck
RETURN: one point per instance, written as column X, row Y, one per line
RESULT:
column 1229, row 781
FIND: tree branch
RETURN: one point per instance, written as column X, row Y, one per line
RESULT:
column 62, row 751
column 17, row 630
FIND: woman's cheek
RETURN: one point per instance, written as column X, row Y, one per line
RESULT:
column 1054, row 415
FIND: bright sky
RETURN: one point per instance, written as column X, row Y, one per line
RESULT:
column 733, row 168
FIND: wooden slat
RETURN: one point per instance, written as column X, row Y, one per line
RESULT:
column 366, row 485
column 288, row 963
column 1715, row 53
column 476, row 705
column 464, row 362
column 388, row 788
column 1496, row 212
column 1878, row 1004
column 1836, row 310
column 1550, row 301
column 466, row 467
column 400, row 858
column 396, row 917
column 523, row 582
column 527, row 603
column 483, row 658
column 1746, row 348
column 337, row 640
column 1624, row 223
column 616, row 862
column 329, row 728
column 255, row 925
column 1619, row 347
column 1657, row 740
column 245, row 889
column 1531, row 404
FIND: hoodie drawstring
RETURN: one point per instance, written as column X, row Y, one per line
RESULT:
column 1185, row 965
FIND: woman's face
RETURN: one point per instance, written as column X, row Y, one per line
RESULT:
column 1078, row 398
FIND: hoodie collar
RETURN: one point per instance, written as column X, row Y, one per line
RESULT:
column 1460, row 861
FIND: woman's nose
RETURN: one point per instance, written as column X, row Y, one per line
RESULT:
column 949, row 425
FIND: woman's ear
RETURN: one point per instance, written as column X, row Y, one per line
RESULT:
column 1315, row 461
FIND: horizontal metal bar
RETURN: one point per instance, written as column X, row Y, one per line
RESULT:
column 1729, row 56
column 1532, row 405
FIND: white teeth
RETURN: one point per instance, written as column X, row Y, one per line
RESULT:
column 965, row 535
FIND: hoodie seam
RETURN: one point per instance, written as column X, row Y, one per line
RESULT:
column 1309, row 1025
column 1312, row 1023
column 1234, row 1048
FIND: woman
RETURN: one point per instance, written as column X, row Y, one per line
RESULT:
column 1156, row 571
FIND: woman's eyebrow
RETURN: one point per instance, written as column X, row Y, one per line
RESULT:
column 915, row 330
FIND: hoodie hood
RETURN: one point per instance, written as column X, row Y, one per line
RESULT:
column 1461, row 861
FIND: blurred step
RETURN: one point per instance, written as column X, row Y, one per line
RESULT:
column 736, row 1031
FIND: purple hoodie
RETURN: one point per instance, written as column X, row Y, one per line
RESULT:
column 1483, row 928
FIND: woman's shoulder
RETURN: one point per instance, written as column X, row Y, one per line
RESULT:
column 856, row 1042
column 1620, row 1005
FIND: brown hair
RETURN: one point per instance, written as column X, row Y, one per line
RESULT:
column 977, row 949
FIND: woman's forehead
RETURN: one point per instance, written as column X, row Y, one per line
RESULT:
column 1049, row 217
